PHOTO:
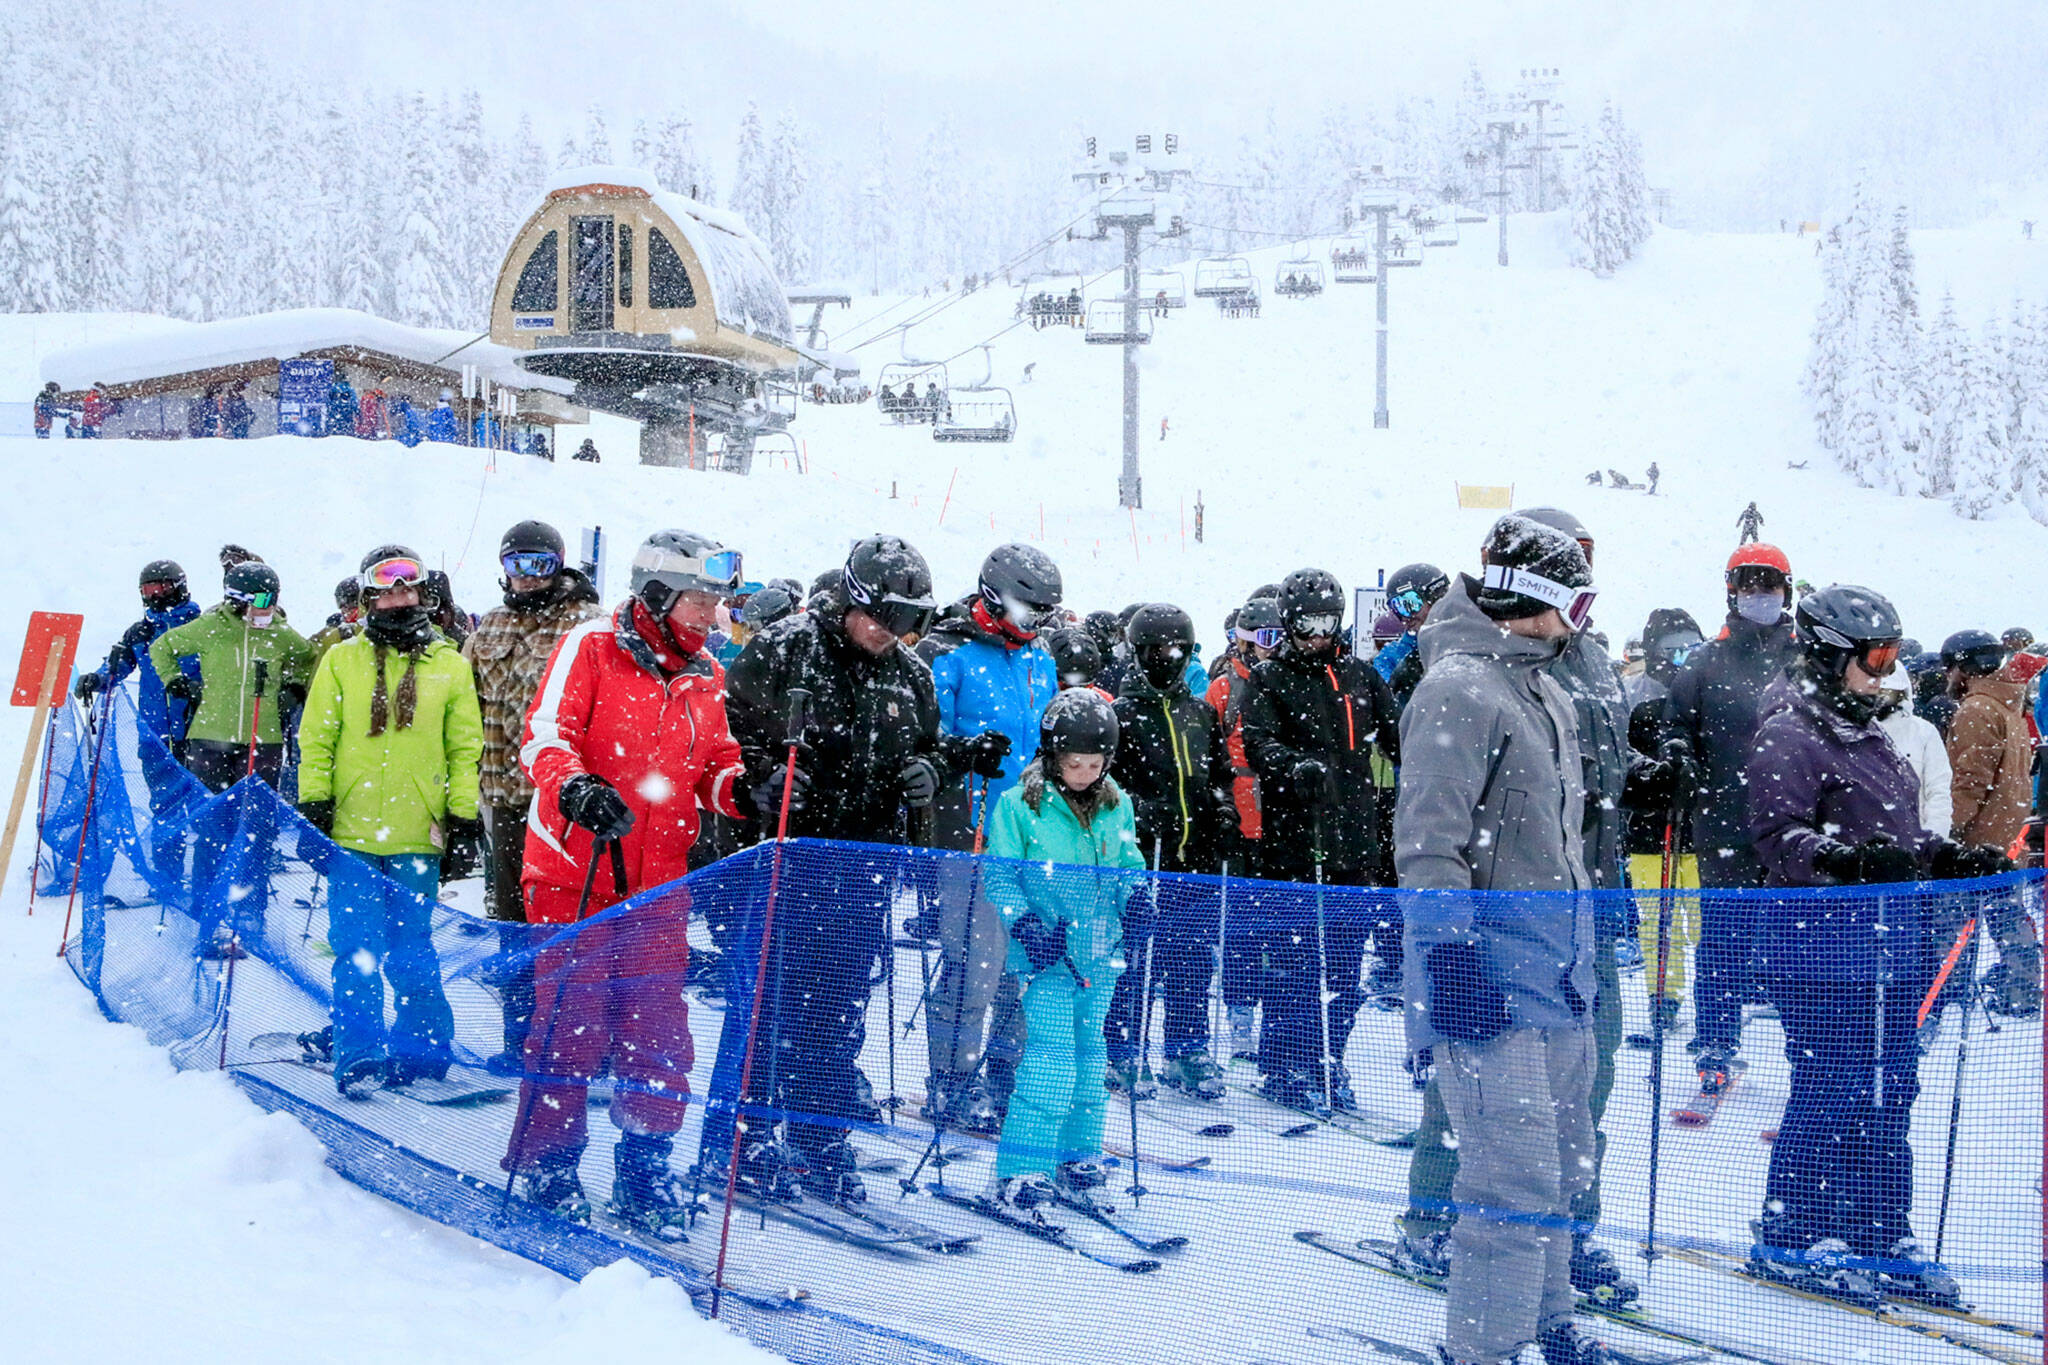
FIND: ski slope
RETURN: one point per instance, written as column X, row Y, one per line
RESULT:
column 215, row 1224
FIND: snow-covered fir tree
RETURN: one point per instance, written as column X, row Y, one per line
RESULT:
column 1982, row 471
column 1610, row 213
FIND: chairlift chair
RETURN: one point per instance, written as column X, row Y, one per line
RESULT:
column 1438, row 226
column 1298, row 279
column 1221, row 275
column 1351, row 259
column 1106, row 324
column 1404, row 247
column 1163, row 290
column 1469, row 216
column 978, row 415
column 900, row 407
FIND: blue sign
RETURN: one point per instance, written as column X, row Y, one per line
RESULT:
column 302, row 396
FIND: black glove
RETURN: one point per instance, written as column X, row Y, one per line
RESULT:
column 463, row 848
column 590, row 801
column 1464, row 1002
column 920, row 782
column 184, row 687
column 318, row 814
column 1873, row 862
column 291, row 697
column 1667, row 782
column 87, row 685
column 767, row 793
column 1042, row 946
column 1952, row 862
column 985, row 753
column 1312, row 778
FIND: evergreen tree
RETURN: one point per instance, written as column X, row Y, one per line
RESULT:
column 789, row 178
column 597, row 143
column 422, row 283
column 2027, row 434
column 1945, row 380
column 751, row 196
column 1983, row 474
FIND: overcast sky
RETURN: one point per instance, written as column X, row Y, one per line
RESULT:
column 1763, row 100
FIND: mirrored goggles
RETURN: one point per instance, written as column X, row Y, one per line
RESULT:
column 1407, row 603
column 532, row 564
column 255, row 601
column 1677, row 648
column 389, row 573
column 899, row 616
column 721, row 567
column 1574, row 604
column 1878, row 657
column 1314, row 627
column 1265, row 637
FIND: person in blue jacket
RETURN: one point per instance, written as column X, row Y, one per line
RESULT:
column 441, row 424
column 994, row 681
column 341, row 405
column 166, row 602
column 405, row 422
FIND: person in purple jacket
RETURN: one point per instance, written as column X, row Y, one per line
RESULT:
column 1832, row 804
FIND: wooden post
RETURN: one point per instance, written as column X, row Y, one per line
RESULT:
column 28, row 759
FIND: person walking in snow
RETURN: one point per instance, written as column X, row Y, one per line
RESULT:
column 1750, row 524
column 1500, row 992
column 625, row 741
column 46, row 409
column 587, row 452
column 1063, row 864
column 1653, row 474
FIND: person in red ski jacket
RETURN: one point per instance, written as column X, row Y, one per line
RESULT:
column 97, row 408
column 626, row 737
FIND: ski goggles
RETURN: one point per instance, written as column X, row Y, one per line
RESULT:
column 900, row 616
column 718, row 569
column 1677, row 648
column 153, row 592
column 1265, row 637
column 1407, row 603
column 255, row 601
column 532, row 564
column 1574, row 604
column 1879, row 657
column 1318, row 626
column 1024, row 615
column 390, row 573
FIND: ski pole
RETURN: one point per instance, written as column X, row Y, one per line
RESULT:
column 1948, row 964
column 1322, row 966
column 92, row 788
column 256, row 712
column 1955, row 1099
column 1140, row 1060
column 799, row 705
column 980, row 802
column 889, row 957
column 1216, row 1002
column 1665, row 880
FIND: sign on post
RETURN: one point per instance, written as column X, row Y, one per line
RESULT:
column 46, row 658
column 302, row 396
column 1367, row 606
column 593, row 557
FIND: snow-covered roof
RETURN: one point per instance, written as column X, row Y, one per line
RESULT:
column 279, row 336
column 744, row 290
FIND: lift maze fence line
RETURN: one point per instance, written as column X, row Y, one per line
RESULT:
column 1261, row 1226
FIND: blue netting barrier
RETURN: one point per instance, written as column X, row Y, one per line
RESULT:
column 1874, row 1094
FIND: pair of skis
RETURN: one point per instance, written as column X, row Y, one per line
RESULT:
column 1034, row 1224
column 460, row 1089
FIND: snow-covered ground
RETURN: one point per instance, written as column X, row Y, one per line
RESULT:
column 171, row 1199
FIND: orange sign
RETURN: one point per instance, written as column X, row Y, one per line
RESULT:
column 47, row 631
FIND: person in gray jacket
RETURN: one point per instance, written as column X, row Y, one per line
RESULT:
column 1500, row 987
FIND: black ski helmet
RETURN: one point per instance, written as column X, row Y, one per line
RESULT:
column 168, row 579
column 1023, row 574
column 532, row 537
column 1160, row 623
column 1425, row 581
column 1669, row 638
column 347, row 593
column 672, row 562
column 161, row 571
column 1075, row 657
column 1557, row 519
column 2016, row 638
column 766, row 607
column 1077, row 721
column 1311, row 596
column 1260, row 613
column 887, row 579
column 1522, row 545
column 1841, row 621
column 1976, row 653
column 1105, row 629
column 251, row 583
column 368, row 590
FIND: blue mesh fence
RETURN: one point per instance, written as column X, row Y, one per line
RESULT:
column 1874, row 1096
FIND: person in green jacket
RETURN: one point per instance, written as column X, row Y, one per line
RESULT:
column 1065, row 856
column 253, row 667
column 390, row 742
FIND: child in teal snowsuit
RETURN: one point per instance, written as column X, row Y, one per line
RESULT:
column 1065, row 861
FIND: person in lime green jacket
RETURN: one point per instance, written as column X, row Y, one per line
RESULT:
column 253, row 667
column 389, row 748
column 1065, row 862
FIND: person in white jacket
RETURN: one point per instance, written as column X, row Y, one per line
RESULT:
column 1920, row 744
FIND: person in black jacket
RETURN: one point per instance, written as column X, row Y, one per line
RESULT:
column 1172, row 761
column 869, row 756
column 1712, row 711
column 1314, row 715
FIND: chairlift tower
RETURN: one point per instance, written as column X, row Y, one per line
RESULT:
column 1135, row 195
column 1380, row 195
column 1505, row 127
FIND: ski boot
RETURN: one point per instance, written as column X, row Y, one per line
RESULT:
column 360, row 1078
column 1716, row 1072
column 767, row 1168
column 1001, row 1071
column 1821, row 1268
column 866, row 1108
column 1562, row 1345
column 960, row 1101
column 1125, row 1078
column 554, row 1188
column 1342, row 1098
column 1081, row 1182
column 645, row 1193
column 1427, row 1255
column 403, row 1071
column 1294, row 1090
column 1023, row 1192
column 1906, row 1273
column 317, row 1046
column 1383, row 987
column 831, row 1173
column 1195, row 1075
column 1244, row 1033
column 1596, row 1275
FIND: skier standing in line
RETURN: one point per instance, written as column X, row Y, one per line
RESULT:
column 1670, row 638
column 1256, row 638
column 1064, row 862
column 543, row 600
column 166, row 605
column 1176, row 772
column 1315, row 719
column 389, row 742
column 1412, row 590
column 1500, row 991
column 625, row 741
column 993, row 682
column 1835, row 805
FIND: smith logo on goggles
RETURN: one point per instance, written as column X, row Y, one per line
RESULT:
column 1574, row 604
